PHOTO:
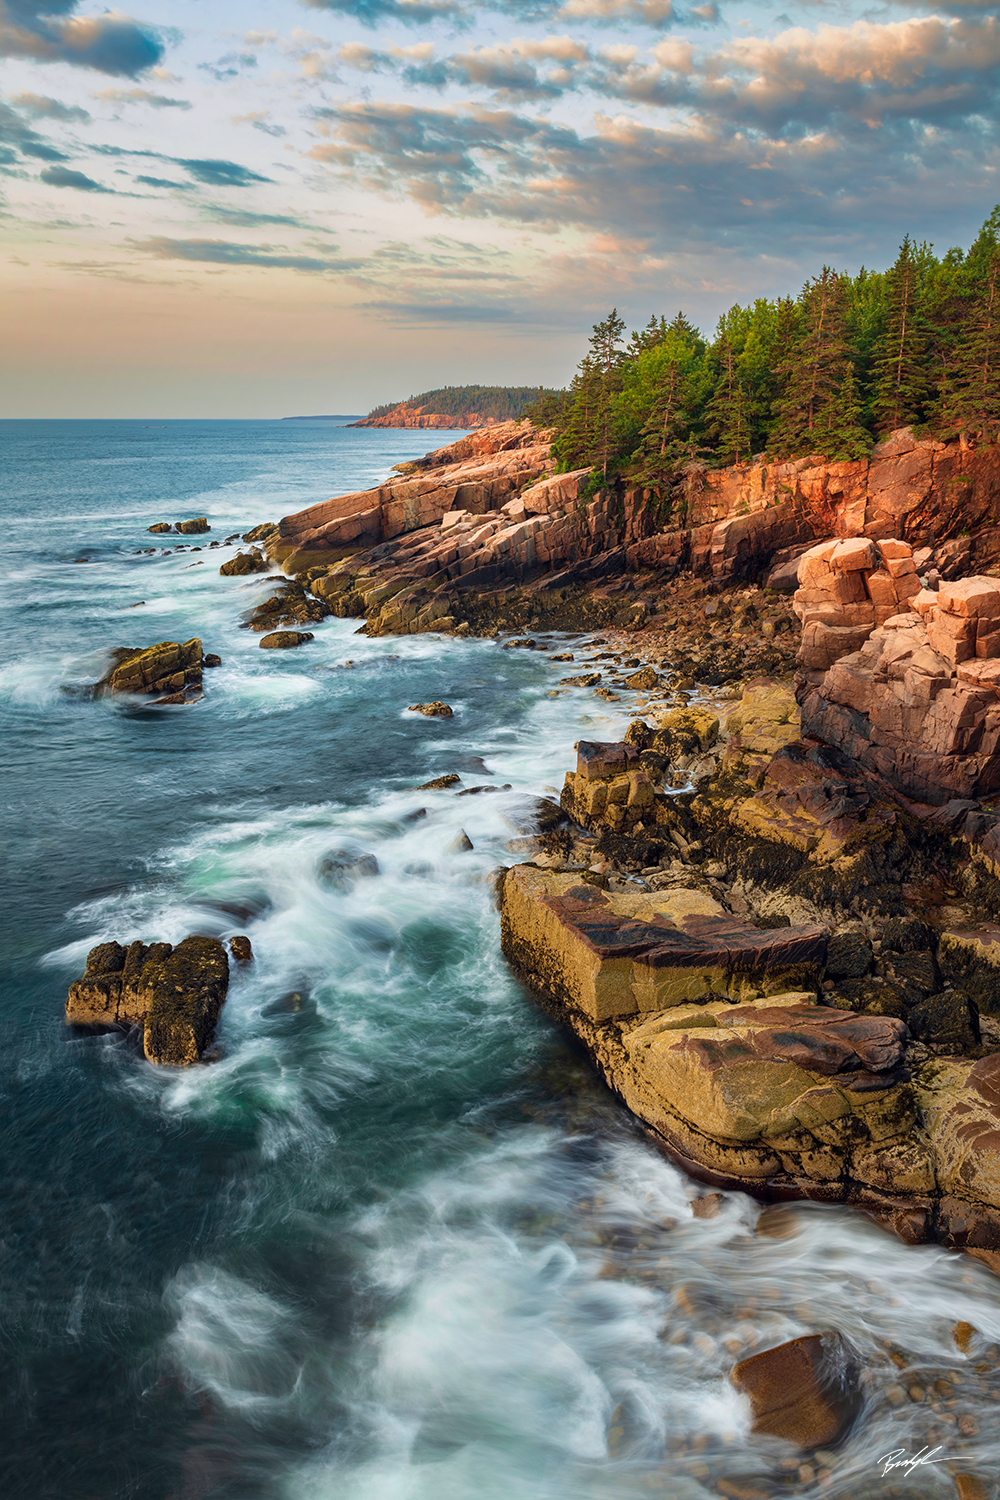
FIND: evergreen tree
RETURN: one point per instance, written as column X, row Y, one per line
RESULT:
column 727, row 416
column 647, row 338
column 607, row 360
column 902, row 385
column 575, row 444
column 815, row 373
column 972, row 393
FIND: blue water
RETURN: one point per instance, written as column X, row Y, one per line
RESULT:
column 396, row 1244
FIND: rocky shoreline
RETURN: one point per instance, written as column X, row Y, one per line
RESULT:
column 764, row 913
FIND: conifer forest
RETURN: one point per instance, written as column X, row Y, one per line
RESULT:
column 827, row 373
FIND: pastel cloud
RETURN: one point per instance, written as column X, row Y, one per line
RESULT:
column 226, row 253
column 65, row 177
column 47, row 31
column 41, row 107
column 140, row 96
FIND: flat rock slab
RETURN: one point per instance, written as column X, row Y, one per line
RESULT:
column 616, row 954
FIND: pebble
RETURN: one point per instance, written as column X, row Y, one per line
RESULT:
column 967, row 1425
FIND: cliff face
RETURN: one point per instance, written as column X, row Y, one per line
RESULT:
column 405, row 415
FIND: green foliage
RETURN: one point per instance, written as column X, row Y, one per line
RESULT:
column 499, row 403
column 825, row 373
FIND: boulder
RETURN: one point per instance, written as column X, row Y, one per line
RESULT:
column 160, row 527
column 241, row 949
column 175, row 994
column 806, row 1391
column 195, row 527
column 617, row 954
column 168, row 667
column 949, row 1019
column 848, row 956
column 345, row 867
column 245, row 562
column 460, row 844
column 284, row 640
column 432, row 710
column 439, row 783
column 261, row 532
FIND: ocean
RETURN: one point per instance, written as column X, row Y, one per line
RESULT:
column 397, row 1243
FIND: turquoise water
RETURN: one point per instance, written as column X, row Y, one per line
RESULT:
column 396, row 1244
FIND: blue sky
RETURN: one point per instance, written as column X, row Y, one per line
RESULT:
column 228, row 209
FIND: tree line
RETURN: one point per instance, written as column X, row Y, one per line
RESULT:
column 499, row 403
column 828, row 372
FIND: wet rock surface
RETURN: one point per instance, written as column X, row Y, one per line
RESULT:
column 806, row 1391
column 168, row 668
column 285, row 640
column 174, row 993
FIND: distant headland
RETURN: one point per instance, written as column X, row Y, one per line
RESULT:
column 457, row 406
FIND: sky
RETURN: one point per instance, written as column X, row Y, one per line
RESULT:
column 260, row 208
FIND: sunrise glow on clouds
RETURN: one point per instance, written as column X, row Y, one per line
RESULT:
column 249, row 209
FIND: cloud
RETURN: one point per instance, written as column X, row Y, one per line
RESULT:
column 444, row 312
column 258, row 119
column 218, row 173
column 140, row 96
column 18, row 138
column 46, row 31
column 40, row 106
column 164, row 182
column 225, row 253
column 243, row 219
column 409, row 12
column 66, row 177
column 693, row 186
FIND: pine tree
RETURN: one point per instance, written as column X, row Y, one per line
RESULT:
column 901, row 375
column 727, row 416
column 972, row 393
column 607, row 360
column 840, row 432
column 815, row 373
column 574, row 447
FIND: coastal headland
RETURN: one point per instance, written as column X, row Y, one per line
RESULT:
column 768, row 913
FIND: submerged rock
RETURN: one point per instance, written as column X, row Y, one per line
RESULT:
column 439, row 783
column 175, row 994
column 344, row 867
column 806, row 1391
column 241, row 949
column 460, row 844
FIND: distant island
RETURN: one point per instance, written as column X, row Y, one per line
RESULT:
column 348, row 418
column 457, row 406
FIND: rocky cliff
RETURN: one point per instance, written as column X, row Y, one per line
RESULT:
column 407, row 415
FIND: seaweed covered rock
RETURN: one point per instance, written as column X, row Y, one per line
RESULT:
column 169, row 667
column 175, row 994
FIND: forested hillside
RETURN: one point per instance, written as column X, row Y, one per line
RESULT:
column 826, row 372
column 498, row 403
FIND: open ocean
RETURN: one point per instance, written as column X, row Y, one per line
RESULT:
column 397, row 1244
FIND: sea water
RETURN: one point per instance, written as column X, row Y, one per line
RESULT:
column 397, row 1243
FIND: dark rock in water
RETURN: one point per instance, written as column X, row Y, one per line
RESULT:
column 524, row 642
column 175, row 994
column 534, row 815
column 284, row 640
column 949, row 1019
column 439, row 783
column 415, row 816
column 460, row 844
column 245, row 562
column 211, row 660
column 160, row 527
column 473, row 791
column 241, row 950
column 168, row 667
column 261, row 532
column 588, row 679
column 848, row 956
column 432, row 710
column 806, row 1391
column 642, row 680
column 196, row 527
column 344, row 867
